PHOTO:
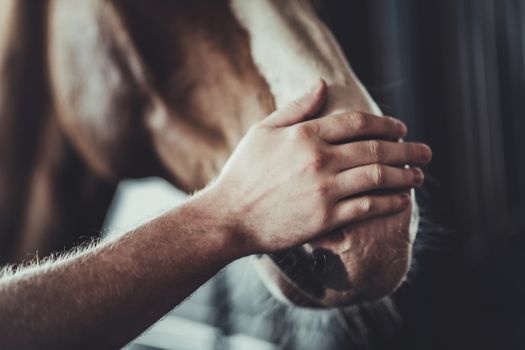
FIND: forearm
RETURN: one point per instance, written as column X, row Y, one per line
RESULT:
column 104, row 296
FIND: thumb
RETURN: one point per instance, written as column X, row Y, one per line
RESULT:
column 301, row 108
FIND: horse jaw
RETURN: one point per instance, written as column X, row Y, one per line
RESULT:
column 292, row 48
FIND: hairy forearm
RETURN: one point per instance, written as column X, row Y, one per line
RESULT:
column 105, row 295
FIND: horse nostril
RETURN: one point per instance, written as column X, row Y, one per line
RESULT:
column 290, row 259
column 329, row 267
column 320, row 261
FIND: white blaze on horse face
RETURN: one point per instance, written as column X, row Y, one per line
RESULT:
column 292, row 48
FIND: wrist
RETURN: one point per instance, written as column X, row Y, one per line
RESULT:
column 220, row 217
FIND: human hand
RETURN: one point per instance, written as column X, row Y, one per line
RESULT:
column 292, row 179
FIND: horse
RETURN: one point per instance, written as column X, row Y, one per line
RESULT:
column 92, row 92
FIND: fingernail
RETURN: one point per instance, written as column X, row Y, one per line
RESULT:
column 426, row 154
column 401, row 127
column 405, row 199
column 418, row 176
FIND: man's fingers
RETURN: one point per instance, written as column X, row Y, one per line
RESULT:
column 355, row 209
column 375, row 177
column 300, row 109
column 342, row 127
column 361, row 153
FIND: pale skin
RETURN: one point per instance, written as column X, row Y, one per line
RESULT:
column 290, row 180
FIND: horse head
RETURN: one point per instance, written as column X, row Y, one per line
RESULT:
column 168, row 88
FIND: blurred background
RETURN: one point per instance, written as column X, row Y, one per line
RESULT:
column 454, row 71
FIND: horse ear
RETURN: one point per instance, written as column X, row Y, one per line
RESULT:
column 301, row 108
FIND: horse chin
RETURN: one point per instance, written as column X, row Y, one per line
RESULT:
column 289, row 291
column 353, row 265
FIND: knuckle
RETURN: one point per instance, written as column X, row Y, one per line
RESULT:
column 323, row 218
column 302, row 132
column 322, row 189
column 319, row 160
column 366, row 206
column 358, row 120
column 377, row 175
column 376, row 150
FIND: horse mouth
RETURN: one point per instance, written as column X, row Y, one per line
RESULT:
column 313, row 272
column 319, row 277
column 318, row 280
column 314, row 279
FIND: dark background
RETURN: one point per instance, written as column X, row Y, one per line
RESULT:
column 454, row 70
